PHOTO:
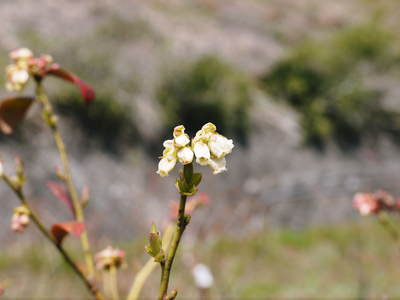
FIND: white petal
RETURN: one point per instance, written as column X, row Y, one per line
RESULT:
column 165, row 166
column 21, row 53
column 169, row 144
column 185, row 156
column 179, row 130
column 202, row 153
column 182, row 140
column 19, row 76
column 209, row 128
column 218, row 165
column 220, row 145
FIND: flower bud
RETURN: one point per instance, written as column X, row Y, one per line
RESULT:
column 20, row 219
column 365, row 203
column 17, row 78
column 21, row 53
column 109, row 257
column 154, row 248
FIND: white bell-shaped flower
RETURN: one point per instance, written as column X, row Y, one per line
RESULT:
column 217, row 164
column 220, row 145
column 166, row 165
column 185, row 155
column 202, row 153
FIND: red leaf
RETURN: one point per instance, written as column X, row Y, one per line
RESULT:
column 61, row 194
column 86, row 90
column 61, row 230
column 12, row 112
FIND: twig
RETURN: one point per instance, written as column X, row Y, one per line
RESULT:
column 112, row 277
column 51, row 120
column 149, row 267
column 179, row 229
column 21, row 196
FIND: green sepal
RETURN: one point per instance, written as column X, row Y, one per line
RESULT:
column 160, row 257
column 196, row 179
column 184, row 188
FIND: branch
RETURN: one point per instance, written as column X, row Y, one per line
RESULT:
column 149, row 267
column 21, row 196
column 51, row 120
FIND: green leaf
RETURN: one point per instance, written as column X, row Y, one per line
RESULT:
column 196, row 178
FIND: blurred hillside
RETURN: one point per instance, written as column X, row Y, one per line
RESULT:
column 307, row 89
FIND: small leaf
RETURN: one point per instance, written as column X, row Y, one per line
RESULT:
column 154, row 248
column 61, row 230
column 153, row 228
column 155, row 243
column 61, row 194
column 196, row 178
column 86, row 90
column 12, row 112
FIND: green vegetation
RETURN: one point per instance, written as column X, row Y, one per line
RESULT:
column 207, row 91
column 107, row 123
column 323, row 82
column 346, row 261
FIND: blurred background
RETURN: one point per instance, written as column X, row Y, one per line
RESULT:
column 309, row 92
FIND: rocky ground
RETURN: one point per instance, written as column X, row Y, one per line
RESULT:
column 125, row 47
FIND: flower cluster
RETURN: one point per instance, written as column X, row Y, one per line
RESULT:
column 24, row 65
column 20, row 219
column 208, row 146
column 373, row 203
column 109, row 257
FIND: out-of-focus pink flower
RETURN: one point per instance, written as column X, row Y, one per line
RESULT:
column 109, row 257
column 373, row 203
column 21, row 54
column 26, row 65
column 20, row 219
column 191, row 205
column 365, row 203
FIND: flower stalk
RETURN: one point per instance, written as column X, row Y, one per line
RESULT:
column 18, row 190
column 181, row 224
column 51, row 120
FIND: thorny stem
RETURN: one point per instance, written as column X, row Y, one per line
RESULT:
column 21, row 196
column 51, row 121
column 179, row 229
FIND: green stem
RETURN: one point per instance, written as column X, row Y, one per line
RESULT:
column 51, row 121
column 113, row 283
column 149, row 267
column 21, row 196
column 389, row 226
column 179, row 229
